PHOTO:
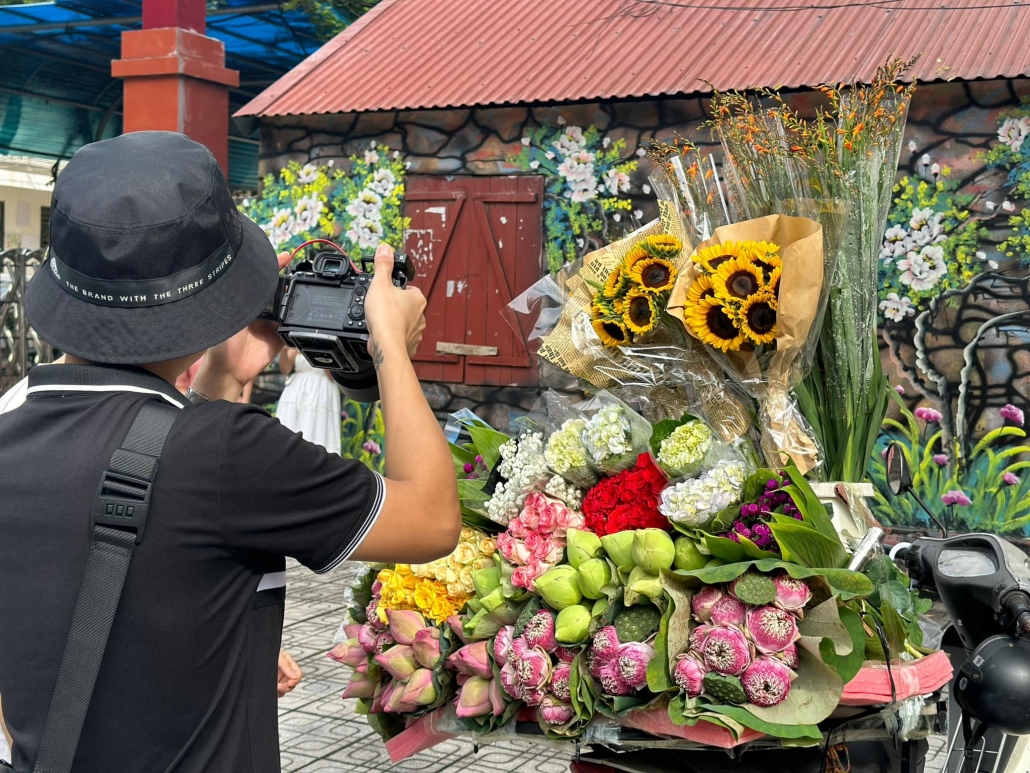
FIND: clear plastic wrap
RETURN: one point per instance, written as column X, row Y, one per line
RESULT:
column 686, row 447
column 614, row 435
column 564, row 451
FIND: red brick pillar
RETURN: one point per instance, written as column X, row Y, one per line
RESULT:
column 175, row 76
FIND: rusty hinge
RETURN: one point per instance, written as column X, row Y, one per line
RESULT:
column 442, row 347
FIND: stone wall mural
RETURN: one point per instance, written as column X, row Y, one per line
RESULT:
column 955, row 265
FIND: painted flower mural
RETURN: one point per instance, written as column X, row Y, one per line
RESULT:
column 587, row 183
column 357, row 203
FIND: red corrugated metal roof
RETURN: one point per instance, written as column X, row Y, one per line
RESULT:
column 410, row 54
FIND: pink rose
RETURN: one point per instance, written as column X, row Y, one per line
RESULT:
column 535, row 501
column 506, row 545
column 535, row 567
column 544, row 549
column 521, row 553
column 564, row 519
column 548, row 518
column 521, row 578
column 517, row 528
column 531, row 517
column 554, row 554
column 534, row 540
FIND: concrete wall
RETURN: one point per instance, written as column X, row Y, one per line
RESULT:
column 22, row 208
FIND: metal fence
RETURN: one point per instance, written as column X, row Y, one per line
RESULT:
column 20, row 347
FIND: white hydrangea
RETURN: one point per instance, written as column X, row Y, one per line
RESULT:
column 694, row 501
column 523, row 467
column 607, row 433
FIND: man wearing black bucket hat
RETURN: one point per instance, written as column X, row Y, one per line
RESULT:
column 150, row 266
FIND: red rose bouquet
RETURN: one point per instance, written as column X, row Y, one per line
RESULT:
column 626, row 501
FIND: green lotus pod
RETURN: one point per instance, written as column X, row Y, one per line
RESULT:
column 688, row 557
column 637, row 623
column 619, row 547
column 593, row 576
column 559, row 587
column 644, row 583
column 487, row 580
column 572, row 625
column 653, row 550
column 581, row 546
column 727, row 689
column 754, row 588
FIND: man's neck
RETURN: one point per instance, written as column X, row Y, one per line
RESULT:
column 167, row 371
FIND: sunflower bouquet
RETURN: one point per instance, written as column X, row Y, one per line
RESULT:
column 626, row 309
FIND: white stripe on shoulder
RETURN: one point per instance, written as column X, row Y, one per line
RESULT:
column 373, row 516
column 14, row 396
column 271, row 581
column 102, row 388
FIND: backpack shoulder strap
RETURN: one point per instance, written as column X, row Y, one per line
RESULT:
column 120, row 511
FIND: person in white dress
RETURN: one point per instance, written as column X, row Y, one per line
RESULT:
column 310, row 403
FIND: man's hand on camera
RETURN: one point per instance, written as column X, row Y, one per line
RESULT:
column 395, row 316
column 232, row 364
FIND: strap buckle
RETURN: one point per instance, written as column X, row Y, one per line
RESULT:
column 122, row 502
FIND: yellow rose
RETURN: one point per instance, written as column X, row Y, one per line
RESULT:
column 467, row 534
column 465, row 553
column 409, row 582
column 424, row 596
column 454, row 589
column 488, row 546
column 449, row 576
column 403, row 569
column 441, row 610
column 384, row 575
column 465, row 579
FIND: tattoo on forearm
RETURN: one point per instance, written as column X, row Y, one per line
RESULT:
column 377, row 355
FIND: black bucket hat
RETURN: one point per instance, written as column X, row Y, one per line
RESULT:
column 149, row 258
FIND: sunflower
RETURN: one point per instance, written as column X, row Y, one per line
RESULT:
column 663, row 245
column 712, row 322
column 601, row 306
column 758, row 318
column 611, row 332
column 641, row 314
column 737, row 279
column 765, row 255
column 616, row 283
column 633, row 257
column 773, row 283
column 699, row 290
column 654, row 275
column 710, row 258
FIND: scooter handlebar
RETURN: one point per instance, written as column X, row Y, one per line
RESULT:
column 1018, row 605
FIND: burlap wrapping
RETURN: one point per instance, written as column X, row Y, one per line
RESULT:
column 662, row 362
column 766, row 372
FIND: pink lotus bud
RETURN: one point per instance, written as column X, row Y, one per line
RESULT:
column 420, row 690
column 533, row 669
column 362, row 668
column 554, row 711
column 728, row 611
column 474, row 698
column 372, row 611
column 533, row 697
column 472, row 659
column 359, row 686
column 397, row 704
column 772, row 629
column 539, row 630
column 508, row 682
column 367, row 638
column 404, row 624
column 689, row 674
column 703, row 602
column 632, row 663
column 350, row 654
column 502, row 643
column 611, row 683
column 457, row 625
column 377, row 587
column 427, row 647
column 496, row 698
column 560, row 685
column 383, row 642
column 566, row 654
column 398, row 661
column 791, row 594
column 351, row 630
column 606, row 643
column 789, row 656
column 382, row 697
column 766, row 682
column 698, row 637
column 518, row 646
column 727, row 651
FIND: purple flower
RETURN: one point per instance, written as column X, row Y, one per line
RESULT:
column 772, row 485
column 899, row 389
column 1010, row 479
column 761, row 535
column 374, row 448
column 479, row 459
column 469, row 468
column 941, row 459
column 956, row 498
column 1013, row 414
column 928, row 415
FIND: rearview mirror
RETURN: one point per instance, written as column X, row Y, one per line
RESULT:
column 899, row 477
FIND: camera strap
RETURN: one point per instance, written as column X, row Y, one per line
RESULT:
column 120, row 511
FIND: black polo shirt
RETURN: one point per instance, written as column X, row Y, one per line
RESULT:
column 188, row 681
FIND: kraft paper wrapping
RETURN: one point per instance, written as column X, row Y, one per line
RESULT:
column 767, row 374
column 664, row 360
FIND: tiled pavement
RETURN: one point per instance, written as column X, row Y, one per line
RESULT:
column 319, row 731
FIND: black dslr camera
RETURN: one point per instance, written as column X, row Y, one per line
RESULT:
column 320, row 308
